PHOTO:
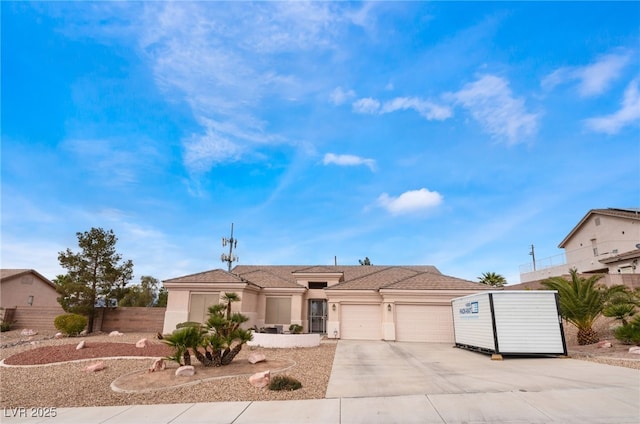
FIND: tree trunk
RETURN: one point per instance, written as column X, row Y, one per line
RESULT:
column 228, row 357
column 204, row 359
column 187, row 357
column 587, row 336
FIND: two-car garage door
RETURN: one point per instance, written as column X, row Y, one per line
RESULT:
column 414, row 323
column 424, row 323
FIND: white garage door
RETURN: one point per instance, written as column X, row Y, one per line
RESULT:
column 424, row 323
column 360, row 322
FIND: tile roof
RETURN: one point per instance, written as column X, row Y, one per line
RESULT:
column 213, row 276
column 355, row 277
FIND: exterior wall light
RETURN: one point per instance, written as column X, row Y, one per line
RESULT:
column 333, row 307
column 389, row 307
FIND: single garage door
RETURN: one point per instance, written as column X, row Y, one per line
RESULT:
column 360, row 322
column 424, row 323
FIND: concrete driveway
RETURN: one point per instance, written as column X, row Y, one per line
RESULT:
column 464, row 386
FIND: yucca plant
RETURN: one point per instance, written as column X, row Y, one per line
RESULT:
column 581, row 302
column 216, row 343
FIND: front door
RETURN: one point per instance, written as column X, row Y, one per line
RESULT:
column 318, row 316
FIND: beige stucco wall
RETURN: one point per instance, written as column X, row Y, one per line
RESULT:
column 16, row 291
column 613, row 236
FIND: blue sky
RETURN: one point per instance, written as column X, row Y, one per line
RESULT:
column 446, row 134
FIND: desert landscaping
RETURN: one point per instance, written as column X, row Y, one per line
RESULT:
column 126, row 381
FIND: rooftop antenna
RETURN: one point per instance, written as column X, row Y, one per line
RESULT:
column 233, row 243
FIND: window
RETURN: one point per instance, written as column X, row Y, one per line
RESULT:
column 317, row 285
column 278, row 310
column 199, row 307
column 597, row 221
column 594, row 246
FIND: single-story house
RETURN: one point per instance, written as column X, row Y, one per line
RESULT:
column 26, row 288
column 361, row 302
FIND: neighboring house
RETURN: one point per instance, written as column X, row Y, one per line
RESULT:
column 605, row 241
column 26, row 288
column 403, row 303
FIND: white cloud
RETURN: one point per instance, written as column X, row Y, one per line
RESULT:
column 203, row 151
column 425, row 108
column 412, row 201
column 593, row 79
column 491, row 103
column 628, row 113
column 339, row 96
column 367, row 106
column 348, row 160
column 223, row 62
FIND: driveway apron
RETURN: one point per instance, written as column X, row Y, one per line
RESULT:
column 378, row 368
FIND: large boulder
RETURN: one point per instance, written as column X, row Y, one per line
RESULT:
column 256, row 357
column 142, row 343
column 158, row 365
column 81, row 345
column 98, row 366
column 634, row 349
column 185, row 371
column 260, row 379
column 115, row 333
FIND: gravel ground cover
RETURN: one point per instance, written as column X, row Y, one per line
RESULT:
column 68, row 385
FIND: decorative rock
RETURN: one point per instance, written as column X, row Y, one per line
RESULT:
column 260, row 379
column 255, row 357
column 80, row 345
column 634, row 349
column 84, row 332
column 604, row 343
column 115, row 333
column 28, row 332
column 98, row 366
column 158, row 365
column 185, row 371
column 142, row 343
column 58, row 335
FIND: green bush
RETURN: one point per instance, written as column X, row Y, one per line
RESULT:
column 5, row 326
column 295, row 328
column 70, row 324
column 188, row 324
column 284, row 382
column 629, row 333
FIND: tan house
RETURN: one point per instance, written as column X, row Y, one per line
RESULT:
column 26, row 288
column 403, row 303
column 605, row 241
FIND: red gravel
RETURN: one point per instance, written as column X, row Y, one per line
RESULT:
column 68, row 352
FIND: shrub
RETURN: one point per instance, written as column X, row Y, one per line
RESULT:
column 5, row 325
column 70, row 324
column 188, row 324
column 284, row 382
column 629, row 333
column 295, row 328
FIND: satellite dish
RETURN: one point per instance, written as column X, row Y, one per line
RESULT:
column 638, row 246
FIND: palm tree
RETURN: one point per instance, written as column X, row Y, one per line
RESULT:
column 492, row 279
column 581, row 302
column 229, row 298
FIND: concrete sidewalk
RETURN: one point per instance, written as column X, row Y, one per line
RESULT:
column 618, row 406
